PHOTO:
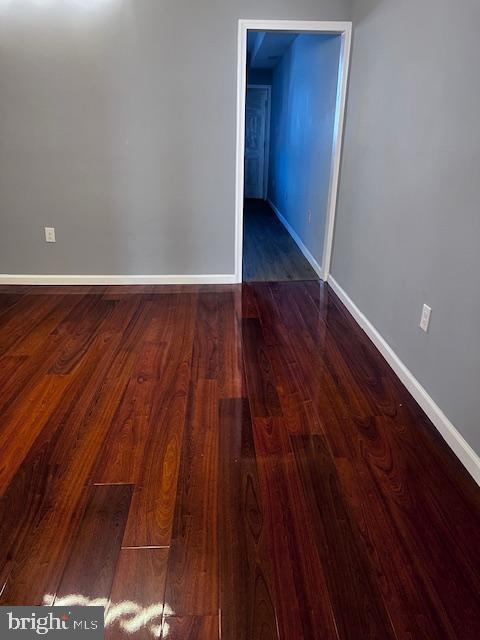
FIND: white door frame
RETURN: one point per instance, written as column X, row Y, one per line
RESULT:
column 344, row 29
column 266, row 160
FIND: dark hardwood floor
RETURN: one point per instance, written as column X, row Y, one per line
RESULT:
column 269, row 251
column 231, row 461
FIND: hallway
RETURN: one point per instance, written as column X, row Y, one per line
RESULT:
column 269, row 252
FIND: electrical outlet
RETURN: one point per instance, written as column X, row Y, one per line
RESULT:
column 425, row 319
column 50, row 234
column 309, row 216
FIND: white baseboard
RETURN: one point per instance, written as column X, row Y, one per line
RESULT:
column 215, row 278
column 453, row 438
column 315, row 266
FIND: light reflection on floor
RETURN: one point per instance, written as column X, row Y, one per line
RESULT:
column 129, row 616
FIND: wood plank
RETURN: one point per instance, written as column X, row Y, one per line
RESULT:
column 136, row 601
column 15, row 289
column 94, row 552
column 153, row 504
column 9, row 299
column 191, row 628
column 249, row 306
column 205, row 343
column 123, row 454
column 231, row 378
column 297, row 409
column 80, row 327
column 357, row 604
column 192, row 578
column 246, row 576
column 259, row 373
column 19, row 319
column 318, row 354
column 9, row 365
column 22, row 425
column 322, row 377
column 302, row 602
column 42, row 335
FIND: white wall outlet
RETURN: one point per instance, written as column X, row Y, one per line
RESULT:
column 50, row 234
column 425, row 319
column 309, row 216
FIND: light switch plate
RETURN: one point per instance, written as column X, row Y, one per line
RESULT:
column 425, row 319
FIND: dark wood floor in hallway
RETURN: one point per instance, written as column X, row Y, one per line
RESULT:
column 269, row 251
column 230, row 461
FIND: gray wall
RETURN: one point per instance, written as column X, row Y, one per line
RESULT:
column 408, row 225
column 117, row 126
column 304, row 90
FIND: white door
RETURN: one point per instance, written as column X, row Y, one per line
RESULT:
column 256, row 122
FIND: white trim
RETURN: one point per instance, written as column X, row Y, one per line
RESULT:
column 458, row 444
column 315, row 266
column 345, row 30
column 342, row 84
column 266, row 159
column 215, row 278
column 240, row 145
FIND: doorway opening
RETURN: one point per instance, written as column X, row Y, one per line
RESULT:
column 292, row 80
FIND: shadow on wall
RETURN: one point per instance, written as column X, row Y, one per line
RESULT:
column 363, row 9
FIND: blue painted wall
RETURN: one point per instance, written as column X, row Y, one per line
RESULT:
column 304, row 88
